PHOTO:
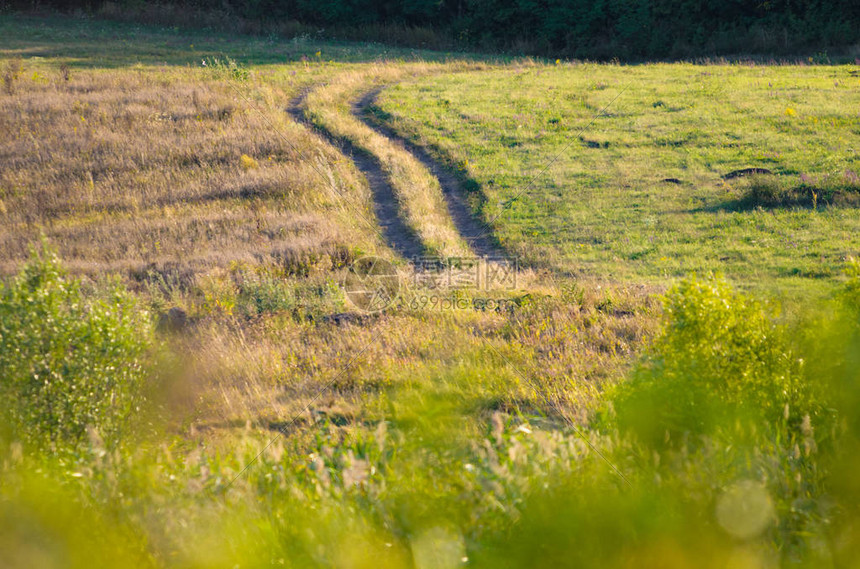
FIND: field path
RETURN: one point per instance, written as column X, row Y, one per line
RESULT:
column 397, row 234
column 471, row 230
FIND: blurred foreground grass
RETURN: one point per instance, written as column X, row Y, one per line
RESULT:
column 734, row 441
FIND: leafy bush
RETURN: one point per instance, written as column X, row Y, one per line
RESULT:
column 69, row 359
column 266, row 290
column 227, row 68
column 266, row 294
column 721, row 358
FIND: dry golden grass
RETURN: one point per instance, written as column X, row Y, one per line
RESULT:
column 143, row 168
column 552, row 357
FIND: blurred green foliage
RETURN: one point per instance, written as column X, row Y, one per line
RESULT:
column 761, row 411
column 722, row 360
column 69, row 359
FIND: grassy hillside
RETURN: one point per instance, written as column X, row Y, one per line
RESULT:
column 190, row 381
column 622, row 172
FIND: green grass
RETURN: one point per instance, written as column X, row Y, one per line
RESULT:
column 597, row 141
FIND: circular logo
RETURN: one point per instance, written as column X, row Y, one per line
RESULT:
column 371, row 284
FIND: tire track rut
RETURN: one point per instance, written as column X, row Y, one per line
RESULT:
column 396, row 233
column 475, row 233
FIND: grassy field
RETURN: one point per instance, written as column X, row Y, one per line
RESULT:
column 188, row 382
column 124, row 138
column 618, row 172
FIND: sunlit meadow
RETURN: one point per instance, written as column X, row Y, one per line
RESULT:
column 186, row 383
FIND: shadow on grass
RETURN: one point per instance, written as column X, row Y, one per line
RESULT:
column 775, row 192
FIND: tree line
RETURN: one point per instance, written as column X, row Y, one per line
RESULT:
column 565, row 28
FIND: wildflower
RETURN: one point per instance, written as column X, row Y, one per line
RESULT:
column 247, row 163
column 789, row 112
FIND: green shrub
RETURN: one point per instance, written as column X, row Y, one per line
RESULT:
column 721, row 361
column 266, row 293
column 69, row 359
column 228, row 68
column 260, row 294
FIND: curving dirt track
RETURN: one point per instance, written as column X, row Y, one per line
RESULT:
column 476, row 234
column 396, row 233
